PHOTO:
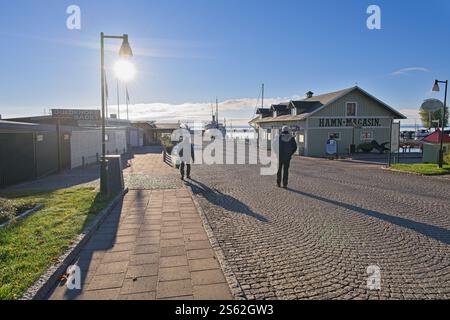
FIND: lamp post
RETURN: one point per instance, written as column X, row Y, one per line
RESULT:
column 441, row 149
column 124, row 52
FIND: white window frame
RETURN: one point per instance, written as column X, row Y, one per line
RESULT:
column 356, row 108
column 333, row 133
column 363, row 132
column 294, row 111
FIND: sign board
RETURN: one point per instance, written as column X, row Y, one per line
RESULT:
column 395, row 140
column 349, row 122
column 76, row 114
column 432, row 105
column 366, row 136
column 331, row 147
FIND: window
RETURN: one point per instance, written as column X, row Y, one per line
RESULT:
column 366, row 136
column 294, row 111
column 335, row 136
column 351, row 109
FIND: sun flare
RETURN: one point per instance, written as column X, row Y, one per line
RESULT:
column 124, row 70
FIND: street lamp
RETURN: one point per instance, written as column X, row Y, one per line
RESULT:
column 124, row 52
column 441, row 149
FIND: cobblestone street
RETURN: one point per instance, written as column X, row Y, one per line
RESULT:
column 316, row 239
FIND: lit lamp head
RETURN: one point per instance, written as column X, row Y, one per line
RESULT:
column 436, row 86
column 123, row 68
column 125, row 49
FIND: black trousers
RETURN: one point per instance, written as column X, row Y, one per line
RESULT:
column 188, row 169
column 283, row 170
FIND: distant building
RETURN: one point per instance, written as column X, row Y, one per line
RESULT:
column 432, row 145
column 153, row 131
column 352, row 116
column 33, row 147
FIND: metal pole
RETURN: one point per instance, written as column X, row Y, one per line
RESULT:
column 441, row 150
column 262, row 95
column 58, row 141
column 390, row 142
column 106, row 99
column 429, row 120
column 103, row 184
column 126, row 88
column 118, row 101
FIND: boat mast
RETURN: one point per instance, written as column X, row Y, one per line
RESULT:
column 262, row 95
column 217, row 112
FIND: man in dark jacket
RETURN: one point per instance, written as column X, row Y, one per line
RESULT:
column 186, row 162
column 287, row 147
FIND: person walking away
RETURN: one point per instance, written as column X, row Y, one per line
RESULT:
column 186, row 162
column 287, row 148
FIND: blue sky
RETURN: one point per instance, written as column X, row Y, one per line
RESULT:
column 190, row 51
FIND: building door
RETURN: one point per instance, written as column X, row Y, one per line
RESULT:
column 300, row 138
column 65, row 151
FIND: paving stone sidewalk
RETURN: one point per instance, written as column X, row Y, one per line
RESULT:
column 152, row 246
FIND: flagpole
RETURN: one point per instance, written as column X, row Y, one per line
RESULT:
column 107, row 96
column 118, row 101
column 128, row 99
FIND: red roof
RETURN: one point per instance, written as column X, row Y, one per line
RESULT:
column 435, row 137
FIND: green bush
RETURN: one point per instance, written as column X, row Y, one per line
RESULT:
column 167, row 144
column 447, row 158
column 11, row 208
column 365, row 147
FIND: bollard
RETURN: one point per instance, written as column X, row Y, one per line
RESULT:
column 115, row 182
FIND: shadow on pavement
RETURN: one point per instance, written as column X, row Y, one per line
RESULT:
column 437, row 233
column 102, row 240
column 227, row 202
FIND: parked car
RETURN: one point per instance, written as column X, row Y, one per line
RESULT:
column 407, row 135
column 422, row 133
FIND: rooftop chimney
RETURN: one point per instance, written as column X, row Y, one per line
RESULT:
column 309, row 94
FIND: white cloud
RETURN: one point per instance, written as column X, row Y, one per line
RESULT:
column 409, row 70
column 238, row 109
column 412, row 115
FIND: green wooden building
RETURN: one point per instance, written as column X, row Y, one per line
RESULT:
column 352, row 116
